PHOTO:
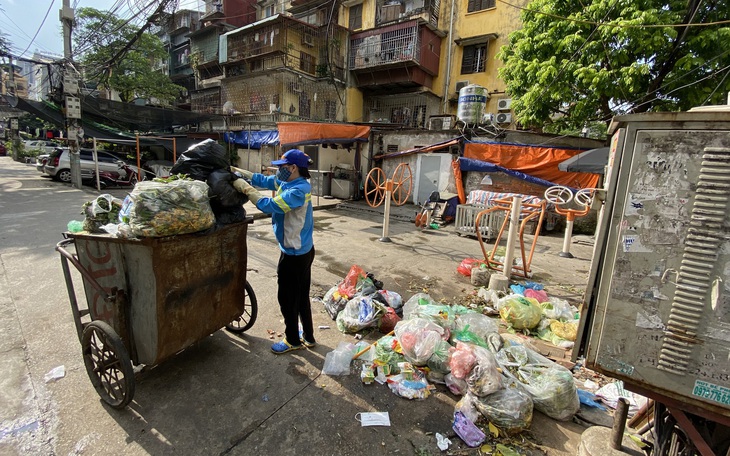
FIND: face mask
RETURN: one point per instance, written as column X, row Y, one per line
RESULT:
column 283, row 174
column 373, row 418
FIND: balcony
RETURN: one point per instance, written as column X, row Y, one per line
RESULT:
column 406, row 53
column 389, row 11
column 265, row 40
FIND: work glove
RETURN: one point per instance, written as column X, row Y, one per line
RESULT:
column 244, row 187
column 244, row 173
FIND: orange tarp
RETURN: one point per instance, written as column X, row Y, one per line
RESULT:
column 298, row 133
column 536, row 161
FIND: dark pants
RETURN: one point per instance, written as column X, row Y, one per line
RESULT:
column 294, row 277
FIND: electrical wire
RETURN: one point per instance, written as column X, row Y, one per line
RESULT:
column 39, row 29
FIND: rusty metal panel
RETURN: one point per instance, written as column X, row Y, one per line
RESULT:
column 180, row 289
column 662, row 310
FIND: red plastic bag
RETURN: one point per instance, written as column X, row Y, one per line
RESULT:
column 467, row 264
column 348, row 286
column 388, row 321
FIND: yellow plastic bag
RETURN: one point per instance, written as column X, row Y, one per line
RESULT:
column 565, row 330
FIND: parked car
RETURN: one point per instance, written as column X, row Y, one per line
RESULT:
column 58, row 165
column 46, row 147
column 40, row 162
column 3, row 150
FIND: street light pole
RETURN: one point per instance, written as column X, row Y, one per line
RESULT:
column 72, row 103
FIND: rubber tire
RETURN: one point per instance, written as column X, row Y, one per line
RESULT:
column 64, row 175
column 240, row 324
column 117, row 355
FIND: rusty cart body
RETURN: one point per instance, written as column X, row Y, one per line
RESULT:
column 149, row 298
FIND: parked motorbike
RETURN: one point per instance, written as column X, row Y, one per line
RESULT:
column 115, row 179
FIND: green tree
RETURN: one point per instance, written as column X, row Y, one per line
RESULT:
column 103, row 40
column 577, row 62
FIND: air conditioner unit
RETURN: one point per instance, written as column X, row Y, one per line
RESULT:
column 308, row 39
column 441, row 122
column 460, row 85
column 436, row 124
column 504, row 104
column 504, row 117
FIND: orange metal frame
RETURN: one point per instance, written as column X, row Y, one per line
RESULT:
column 530, row 211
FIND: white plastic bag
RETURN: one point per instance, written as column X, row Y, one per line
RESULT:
column 418, row 339
column 484, row 378
column 337, row 362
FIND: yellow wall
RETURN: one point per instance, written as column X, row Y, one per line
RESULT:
column 500, row 20
column 354, row 104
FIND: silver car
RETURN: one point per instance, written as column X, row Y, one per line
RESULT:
column 58, row 165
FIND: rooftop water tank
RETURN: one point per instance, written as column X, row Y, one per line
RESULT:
column 472, row 105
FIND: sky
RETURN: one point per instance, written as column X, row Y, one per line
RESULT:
column 21, row 20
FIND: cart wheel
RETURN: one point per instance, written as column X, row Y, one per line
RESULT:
column 248, row 317
column 108, row 364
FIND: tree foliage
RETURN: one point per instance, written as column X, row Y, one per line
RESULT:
column 578, row 62
column 100, row 36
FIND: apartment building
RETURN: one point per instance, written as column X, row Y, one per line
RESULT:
column 384, row 61
column 410, row 58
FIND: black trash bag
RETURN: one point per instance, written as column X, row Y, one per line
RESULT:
column 201, row 159
column 228, row 215
column 222, row 192
column 226, row 202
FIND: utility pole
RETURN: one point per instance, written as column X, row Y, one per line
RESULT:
column 72, row 102
column 13, row 97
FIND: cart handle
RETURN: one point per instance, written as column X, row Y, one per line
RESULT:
column 60, row 247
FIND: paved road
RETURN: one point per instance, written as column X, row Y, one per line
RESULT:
column 228, row 394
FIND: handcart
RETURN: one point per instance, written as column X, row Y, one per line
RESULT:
column 149, row 298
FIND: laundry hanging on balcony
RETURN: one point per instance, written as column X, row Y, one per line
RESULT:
column 307, row 133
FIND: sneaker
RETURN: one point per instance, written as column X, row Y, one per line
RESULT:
column 305, row 342
column 283, row 346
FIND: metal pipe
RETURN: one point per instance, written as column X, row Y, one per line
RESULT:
column 619, row 423
column 514, row 221
column 447, row 80
column 96, row 167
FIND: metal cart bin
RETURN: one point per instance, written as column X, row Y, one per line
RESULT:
column 156, row 295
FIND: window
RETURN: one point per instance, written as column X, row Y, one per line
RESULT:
column 306, row 63
column 268, row 11
column 478, row 5
column 474, row 58
column 356, row 17
column 330, row 110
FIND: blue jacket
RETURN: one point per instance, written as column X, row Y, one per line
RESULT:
column 291, row 212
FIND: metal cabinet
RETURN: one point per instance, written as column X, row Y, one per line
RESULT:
column 658, row 299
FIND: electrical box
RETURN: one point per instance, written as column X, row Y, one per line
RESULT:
column 658, row 296
column 73, row 107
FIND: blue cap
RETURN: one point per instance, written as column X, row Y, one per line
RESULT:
column 293, row 157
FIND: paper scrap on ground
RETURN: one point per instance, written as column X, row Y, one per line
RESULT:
column 55, row 373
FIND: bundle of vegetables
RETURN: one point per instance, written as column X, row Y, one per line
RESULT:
column 101, row 211
column 166, row 209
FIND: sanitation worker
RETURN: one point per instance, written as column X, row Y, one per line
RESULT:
column 291, row 218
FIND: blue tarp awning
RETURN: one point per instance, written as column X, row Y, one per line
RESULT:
column 469, row 164
column 253, row 139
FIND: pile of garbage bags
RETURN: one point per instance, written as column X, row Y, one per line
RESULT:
column 359, row 302
column 498, row 379
column 528, row 309
column 198, row 195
